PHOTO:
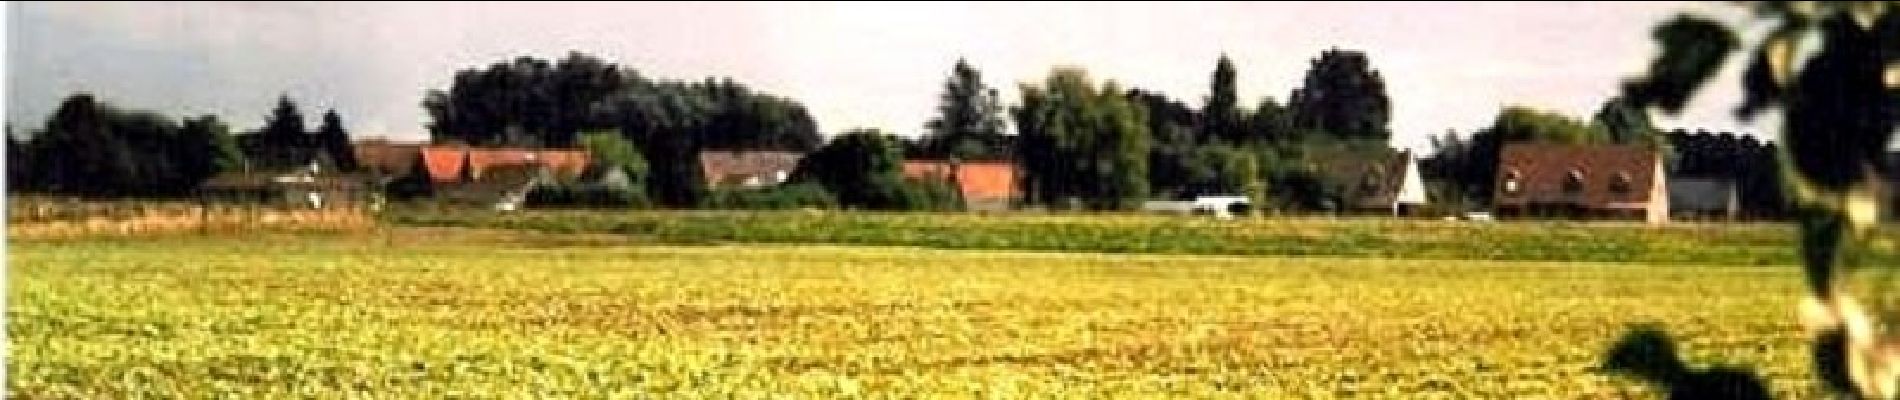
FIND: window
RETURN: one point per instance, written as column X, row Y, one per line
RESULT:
column 1620, row 184
column 1511, row 185
column 1573, row 181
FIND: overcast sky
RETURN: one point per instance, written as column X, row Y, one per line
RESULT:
column 882, row 65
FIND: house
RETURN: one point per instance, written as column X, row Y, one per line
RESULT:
column 1384, row 182
column 747, row 169
column 1702, row 197
column 313, row 186
column 981, row 185
column 497, row 177
column 385, row 158
column 1588, row 181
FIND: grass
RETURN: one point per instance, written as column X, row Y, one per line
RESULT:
column 1728, row 244
column 436, row 312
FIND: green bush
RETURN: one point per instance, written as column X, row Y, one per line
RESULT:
column 929, row 196
column 585, row 197
column 782, row 197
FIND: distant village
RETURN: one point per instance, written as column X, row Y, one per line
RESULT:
column 582, row 132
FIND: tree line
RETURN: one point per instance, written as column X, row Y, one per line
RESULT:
column 91, row 148
column 1081, row 142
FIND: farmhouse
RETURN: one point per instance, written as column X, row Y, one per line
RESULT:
column 747, row 169
column 313, row 186
column 986, row 185
column 1386, row 182
column 1581, row 181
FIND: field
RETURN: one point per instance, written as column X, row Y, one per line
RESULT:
column 449, row 312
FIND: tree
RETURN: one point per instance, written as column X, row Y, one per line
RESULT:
column 666, row 123
column 283, row 142
column 88, row 148
column 333, row 141
column 611, row 149
column 1342, row 96
column 1626, row 124
column 969, row 121
column 1174, row 140
column 1522, row 124
column 206, row 147
column 1826, row 66
column 526, row 101
column 1082, row 143
column 533, row 102
column 862, row 167
column 1271, row 122
column 1224, row 118
column 1750, row 163
column 19, row 174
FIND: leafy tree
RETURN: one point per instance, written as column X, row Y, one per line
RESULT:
column 1750, row 163
column 206, row 147
column 969, row 121
column 1224, row 118
column 1625, row 123
column 1173, row 143
column 1826, row 65
column 19, row 173
column 526, row 101
column 1271, row 122
column 88, row 148
column 862, row 167
column 611, row 149
column 1342, row 96
column 1080, row 143
column 333, row 141
column 283, row 142
column 666, row 123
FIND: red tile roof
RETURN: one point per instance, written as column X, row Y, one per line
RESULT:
column 734, row 168
column 977, row 180
column 444, row 163
column 1544, row 175
column 386, row 157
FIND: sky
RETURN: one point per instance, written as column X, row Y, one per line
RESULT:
column 1447, row 66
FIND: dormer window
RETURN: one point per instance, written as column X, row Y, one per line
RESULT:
column 1621, row 183
column 1573, row 181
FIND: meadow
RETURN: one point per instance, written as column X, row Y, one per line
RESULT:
column 590, row 308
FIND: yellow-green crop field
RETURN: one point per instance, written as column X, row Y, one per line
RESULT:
column 451, row 313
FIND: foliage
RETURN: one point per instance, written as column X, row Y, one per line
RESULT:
column 525, row 101
column 92, row 149
column 584, row 197
column 610, row 149
column 863, row 168
column 1828, row 67
column 1624, row 123
column 1082, row 144
column 1750, row 163
column 1342, row 96
column 334, row 142
column 782, row 197
column 534, row 102
column 969, row 121
column 283, row 142
column 1224, row 119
